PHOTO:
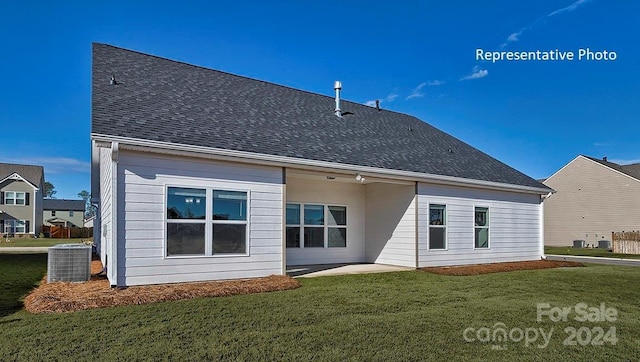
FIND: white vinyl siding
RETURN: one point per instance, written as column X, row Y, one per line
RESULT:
column 145, row 178
column 515, row 226
column 391, row 224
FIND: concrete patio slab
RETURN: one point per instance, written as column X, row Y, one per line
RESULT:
column 23, row 249
column 309, row 271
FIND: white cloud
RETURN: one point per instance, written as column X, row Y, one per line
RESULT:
column 417, row 91
column 569, row 8
column 541, row 20
column 435, row 82
column 370, row 103
column 390, row 98
column 54, row 165
column 476, row 73
column 624, row 162
column 516, row 36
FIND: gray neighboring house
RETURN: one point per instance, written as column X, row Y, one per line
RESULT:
column 21, row 191
column 204, row 175
column 593, row 198
column 66, row 213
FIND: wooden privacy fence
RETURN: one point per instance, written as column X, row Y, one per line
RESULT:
column 626, row 242
column 59, row 232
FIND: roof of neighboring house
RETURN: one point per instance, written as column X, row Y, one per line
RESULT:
column 32, row 173
column 632, row 170
column 63, row 205
column 157, row 99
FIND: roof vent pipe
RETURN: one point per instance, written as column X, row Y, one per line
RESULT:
column 338, row 86
column 377, row 104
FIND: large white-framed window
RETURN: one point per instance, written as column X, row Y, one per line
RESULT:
column 15, row 227
column 481, row 227
column 316, row 226
column 437, row 227
column 15, row 198
column 206, row 222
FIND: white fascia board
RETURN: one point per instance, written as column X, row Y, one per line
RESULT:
column 136, row 144
column 15, row 175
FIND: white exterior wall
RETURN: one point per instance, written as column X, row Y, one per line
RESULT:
column 590, row 202
column 390, row 213
column 351, row 195
column 515, row 231
column 143, row 179
column 106, row 201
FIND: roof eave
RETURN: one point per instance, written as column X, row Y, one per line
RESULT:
column 35, row 187
column 136, row 144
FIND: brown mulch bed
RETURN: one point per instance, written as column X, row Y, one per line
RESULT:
column 478, row 269
column 97, row 293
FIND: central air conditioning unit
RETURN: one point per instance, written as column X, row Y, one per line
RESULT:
column 69, row 263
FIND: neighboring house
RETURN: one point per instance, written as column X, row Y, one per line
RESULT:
column 204, row 175
column 593, row 198
column 21, row 190
column 65, row 213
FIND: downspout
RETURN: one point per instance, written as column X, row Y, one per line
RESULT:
column 34, row 205
column 114, row 215
column 415, row 227
column 284, row 221
column 541, row 246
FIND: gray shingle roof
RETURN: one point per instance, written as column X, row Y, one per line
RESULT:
column 62, row 204
column 163, row 100
column 632, row 170
column 33, row 174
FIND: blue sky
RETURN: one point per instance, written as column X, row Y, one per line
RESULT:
column 417, row 57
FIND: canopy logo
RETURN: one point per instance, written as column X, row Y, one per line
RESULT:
column 499, row 336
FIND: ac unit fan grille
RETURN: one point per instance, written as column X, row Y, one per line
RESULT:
column 69, row 263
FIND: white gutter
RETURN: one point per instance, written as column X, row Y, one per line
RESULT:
column 136, row 144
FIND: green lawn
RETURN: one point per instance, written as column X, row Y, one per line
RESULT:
column 370, row 317
column 22, row 242
column 568, row 250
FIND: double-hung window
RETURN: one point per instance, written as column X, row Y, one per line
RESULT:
column 316, row 226
column 204, row 221
column 337, row 226
column 481, row 216
column 437, row 226
column 229, row 222
column 186, row 221
column 15, row 198
column 15, row 227
column 293, row 226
